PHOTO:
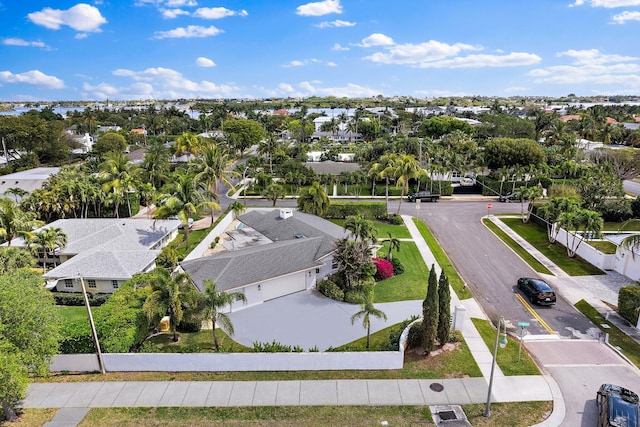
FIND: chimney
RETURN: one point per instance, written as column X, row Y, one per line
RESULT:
column 286, row 213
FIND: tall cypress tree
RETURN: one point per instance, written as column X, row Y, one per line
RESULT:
column 444, row 310
column 430, row 313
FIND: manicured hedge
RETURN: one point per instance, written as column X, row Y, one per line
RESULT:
column 371, row 210
column 629, row 303
column 76, row 299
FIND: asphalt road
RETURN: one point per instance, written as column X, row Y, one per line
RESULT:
column 491, row 269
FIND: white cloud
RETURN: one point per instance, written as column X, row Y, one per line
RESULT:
column 81, row 17
column 173, row 13
column 331, row 64
column 513, row 59
column 180, row 3
column 160, row 83
column 14, row 41
column 515, row 89
column 191, row 31
column 376, row 39
column 217, row 12
column 294, row 63
column 415, row 54
column 319, row 8
column 607, row 3
column 625, row 16
column 335, row 24
column 205, row 62
column 338, row 47
column 591, row 66
column 33, row 77
column 351, row 90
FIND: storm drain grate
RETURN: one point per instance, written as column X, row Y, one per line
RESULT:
column 447, row 415
column 436, row 387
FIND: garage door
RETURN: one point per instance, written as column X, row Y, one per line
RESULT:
column 283, row 286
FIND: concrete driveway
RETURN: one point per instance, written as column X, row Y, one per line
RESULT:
column 309, row 319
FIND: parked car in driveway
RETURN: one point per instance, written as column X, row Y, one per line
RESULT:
column 617, row 406
column 537, row 290
column 423, row 196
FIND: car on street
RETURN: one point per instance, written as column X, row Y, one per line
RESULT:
column 617, row 406
column 506, row 198
column 423, row 196
column 537, row 291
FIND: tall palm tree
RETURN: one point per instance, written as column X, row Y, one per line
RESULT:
column 360, row 228
column 367, row 309
column 384, row 169
column 15, row 222
column 314, row 200
column 214, row 301
column 182, row 197
column 274, row 192
column 270, row 147
column 550, row 212
column 213, row 167
column 166, row 297
column 156, row 163
column 187, row 143
column 405, row 168
column 48, row 240
column 119, row 177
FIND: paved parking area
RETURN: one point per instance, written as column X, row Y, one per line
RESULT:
column 304, row 318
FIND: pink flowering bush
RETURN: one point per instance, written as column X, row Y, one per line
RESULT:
column 384, row 269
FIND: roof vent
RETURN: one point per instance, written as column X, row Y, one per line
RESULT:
column 299, row 235
column 286, row 213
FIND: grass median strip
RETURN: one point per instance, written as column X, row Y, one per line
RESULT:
column 443, row 260
column 617, row 338
column 522, row 253
column 557, row 253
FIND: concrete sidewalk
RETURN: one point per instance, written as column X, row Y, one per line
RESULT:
column 76, row 397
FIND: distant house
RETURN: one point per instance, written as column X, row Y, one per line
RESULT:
column 272, row 253
column 27, row 180
column 333, row 168
column 106, row 252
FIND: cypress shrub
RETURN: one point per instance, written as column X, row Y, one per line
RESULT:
column 444, row 310
column 430, row 312
column 629, row 303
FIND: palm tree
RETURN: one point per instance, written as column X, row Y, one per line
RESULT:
column 274, row 192
column 18, row 192
column 632, row 242
column 393, row 244
column 119, row 178
column 367, row 309
column 182, row 198
column 214, row 302
column 360, row 228
column 188, row 143
column 48, row 240
column 15, row 222
column 156, row 163
column 314, row 200
column 237, row 208
column 213, row 167
column 270, row 147
column 166, row 297
column 405, row 168
column 550, row 212
column 572, row 221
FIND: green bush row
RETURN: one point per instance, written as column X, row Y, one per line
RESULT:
column 370, row 210
column 275, row 347
column 629, row 303
column 76, row 299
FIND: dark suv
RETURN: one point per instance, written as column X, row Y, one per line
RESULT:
column 617, row 406
column 537, row 291
column 423, row 196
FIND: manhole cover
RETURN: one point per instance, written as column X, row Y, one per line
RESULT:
column 436, row 387
column 447, row 415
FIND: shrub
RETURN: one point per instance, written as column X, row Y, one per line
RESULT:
column 354, row 296
column 395, row 219
column 193, row 325
column 415, row 336
column 275, row 347
column 394, row 335
column 76, row 299
column 384, row 269
column 341, row 210
column 398, row 268
column 629, row 303
column 635, row 207
column 617, row 210
column 168, row 258
column 455, row 336
column 330, row 290
column 76, row 338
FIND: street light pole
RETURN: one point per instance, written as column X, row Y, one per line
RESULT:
column 96, row 343
column 502, row 340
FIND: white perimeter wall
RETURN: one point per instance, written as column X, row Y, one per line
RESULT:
column 589, row 253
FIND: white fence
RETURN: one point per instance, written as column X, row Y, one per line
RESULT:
column 587, row 252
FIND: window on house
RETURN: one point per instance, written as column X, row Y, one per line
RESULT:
column 114, row 283
column 92, row 283
column 68, row 283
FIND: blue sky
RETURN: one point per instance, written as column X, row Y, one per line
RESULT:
column 166, row 49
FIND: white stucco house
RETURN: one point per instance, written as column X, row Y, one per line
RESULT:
column 106, row 251
column 272, row 253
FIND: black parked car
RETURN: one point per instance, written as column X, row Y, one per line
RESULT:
column 537, row 291
column 423, row 196
column 617, row 406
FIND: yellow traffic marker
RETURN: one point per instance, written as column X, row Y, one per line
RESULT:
column 534, row 314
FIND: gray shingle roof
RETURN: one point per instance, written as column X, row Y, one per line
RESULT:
column 233, row 269
column 114, row 265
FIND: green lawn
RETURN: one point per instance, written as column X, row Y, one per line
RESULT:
column 383, row 228
column 604, row 246
column 72, row 313
column 522, row 253
column 443, row 260
column 507, row 358
column 557, row 253
column 615, row 226
column 410, row 285
column 617, row 338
